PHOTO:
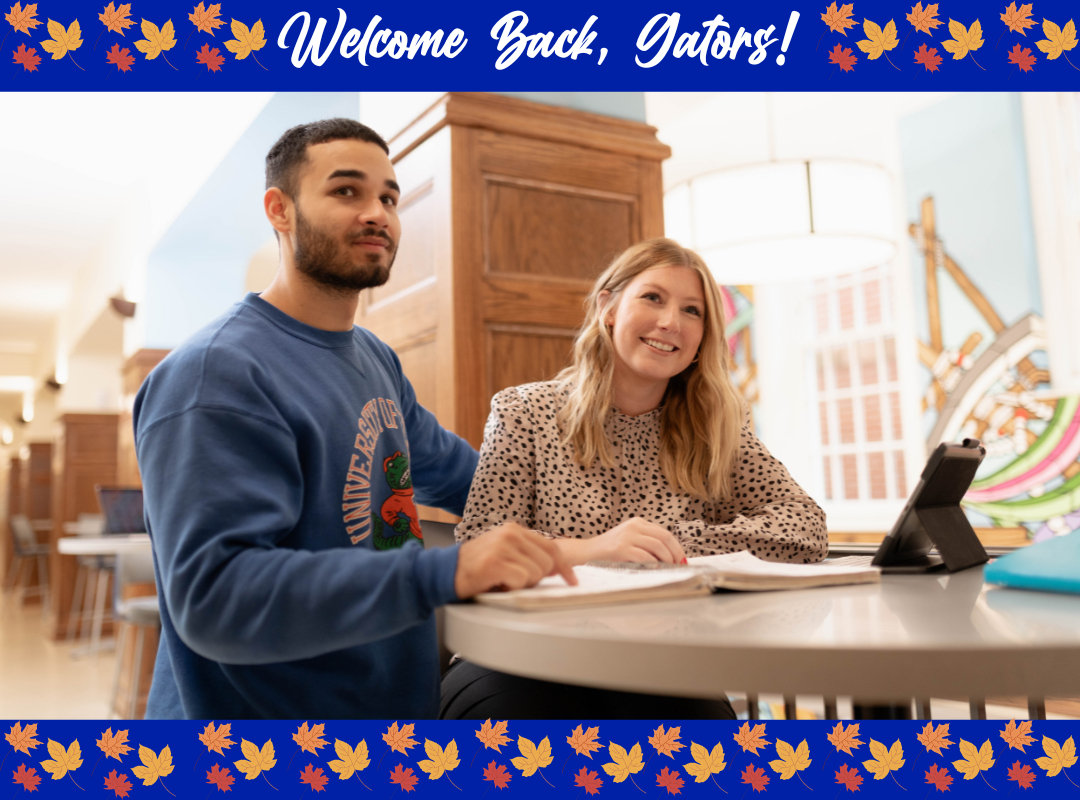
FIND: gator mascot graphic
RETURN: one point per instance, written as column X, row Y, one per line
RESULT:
column 397, row 521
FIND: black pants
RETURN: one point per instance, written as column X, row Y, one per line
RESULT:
column 477, row 693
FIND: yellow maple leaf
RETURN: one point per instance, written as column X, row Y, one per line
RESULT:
column 839, row 20
column 964, row 39
column 157, row 39
column 1057, row 40
column 584, row 743
column 439, row 761
column 791, row 759
column 1058, row 757
column 310, row 740
column 23, row 739
column 705, row 763
column 400, row 739
column 217, row 739
column 924, row 19
column 246, row 39
column 114, row 745
column 751, row 739
column 878, row 39
column 155, row 765
column 935, row 739
column 493, row 736
column 1018, row 19
column 62, row 40
column 623, row 764
column 1017, row 736
column 666, row 742
column 62, row 761
column 116, row 19
column 22, row 18
column 350, row 760
column 977, row 760
column 206, row 19
column 887, row 760
column 533, row 757
column 257, row 760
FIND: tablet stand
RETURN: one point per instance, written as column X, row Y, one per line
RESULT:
column 948, row 528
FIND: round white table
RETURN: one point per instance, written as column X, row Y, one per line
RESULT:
column 909, row 636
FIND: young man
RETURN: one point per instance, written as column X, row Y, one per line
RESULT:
column 283, row 453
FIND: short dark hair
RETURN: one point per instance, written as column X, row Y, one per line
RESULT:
column 289, row 153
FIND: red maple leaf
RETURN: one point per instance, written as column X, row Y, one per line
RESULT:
column 843, row 57
column 221, row 778
column 122, row 58
column 316, row 778
column 589, row 781
column 670, row 781
column 28, row 58
column 755, row 777
column 497, row 774
column 211, row 58
column 406, row 778
column 1022, row 775
column 118, row 783
column 27, row 777
column 939, row 777
column 928, row 58
column 1023, row 58
column 849, row 777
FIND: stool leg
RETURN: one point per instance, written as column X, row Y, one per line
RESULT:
column 76, row 601
column 99, row 610
column 119, row 667
column 789, row 707
column 752, row 709
column 12, row 573
column 830, row 708
column 136, row 669
column 87, row 604
column 978, row 707
column 1036, row 708
column 43, row 584
column 922, row 708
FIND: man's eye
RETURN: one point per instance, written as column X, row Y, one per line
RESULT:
column 390, row 200
column 345, row 191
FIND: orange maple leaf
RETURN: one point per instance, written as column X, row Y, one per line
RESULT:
column 928, row 58
column 589, row 781
column 310, row 740
column 217, row 740
column 935, row 739
column 1025, row 59
column 315, row 778
column 755, row 777
column 924, row 19
column 839, row 20
column 206, row 19
column 497, row 774
column 113, row 745
column 400, row 739
column 119, row 784
column 1018, row 735
column 29, row 60
column 584, row 744
column 221, row 778
column 27, row 777
column 493, row 736
column 116, row 19
column 751, row 738
column 845, row 738
column 1023, row 776
column 1018, row 19
column 670, row 781
column 406, row 779
column 23, row 739
column 850, row 778
column 940, row 778
column 666, row 743
column 23, row 19
column 843, row 57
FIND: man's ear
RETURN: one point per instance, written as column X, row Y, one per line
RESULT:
column 279, row 209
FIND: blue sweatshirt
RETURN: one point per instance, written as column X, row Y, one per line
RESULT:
column 278, row 464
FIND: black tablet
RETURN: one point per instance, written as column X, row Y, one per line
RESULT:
column 932, row 517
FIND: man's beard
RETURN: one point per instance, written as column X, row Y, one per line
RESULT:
column 329, row 264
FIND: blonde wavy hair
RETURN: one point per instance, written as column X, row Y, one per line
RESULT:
column 702, row 412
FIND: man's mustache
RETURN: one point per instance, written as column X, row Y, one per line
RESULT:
column 369, row 232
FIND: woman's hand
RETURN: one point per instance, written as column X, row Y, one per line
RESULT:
column 634, row 540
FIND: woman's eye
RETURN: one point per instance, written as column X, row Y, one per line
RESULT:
column 651, row 296
column 694, row 310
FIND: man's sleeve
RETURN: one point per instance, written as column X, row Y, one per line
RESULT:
column 222, row 490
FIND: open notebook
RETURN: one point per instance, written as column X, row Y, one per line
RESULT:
column 615, row 582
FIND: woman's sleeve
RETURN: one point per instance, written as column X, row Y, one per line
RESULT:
column 768, row 514
column 504, row 486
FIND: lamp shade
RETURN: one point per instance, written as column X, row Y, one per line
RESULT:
column 787, row 220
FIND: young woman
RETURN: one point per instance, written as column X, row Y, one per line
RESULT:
column 638, row 451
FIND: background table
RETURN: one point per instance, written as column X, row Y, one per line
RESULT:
column 909, row 636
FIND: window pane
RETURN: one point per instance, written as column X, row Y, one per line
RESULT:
column 841, row 365
column 828, row 478
column 823, row 409
column 819, row 360
column 890, row 359
column 851, row 477
column 872, row 301
column 894, row 409
column 868, row 372
column 875, row 463
column 846, row 413
column 872, row 417
column 846, row 299
column 901, row 480
column 822, row 307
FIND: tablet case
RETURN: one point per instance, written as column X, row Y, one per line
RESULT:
column 1050, row 566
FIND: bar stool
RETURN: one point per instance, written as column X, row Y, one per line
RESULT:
column 26, row 546
column 138, row 612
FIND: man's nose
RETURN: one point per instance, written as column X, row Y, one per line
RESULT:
column 374, row 213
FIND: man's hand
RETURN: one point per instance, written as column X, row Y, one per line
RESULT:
column 634, row 540
column 510, row 557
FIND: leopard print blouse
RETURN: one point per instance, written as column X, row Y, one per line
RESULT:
column 527, row 475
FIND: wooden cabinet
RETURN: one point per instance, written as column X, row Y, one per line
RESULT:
column 14, row 506
column 509, row 211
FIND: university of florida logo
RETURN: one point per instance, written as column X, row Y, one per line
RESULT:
column 397, row 521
